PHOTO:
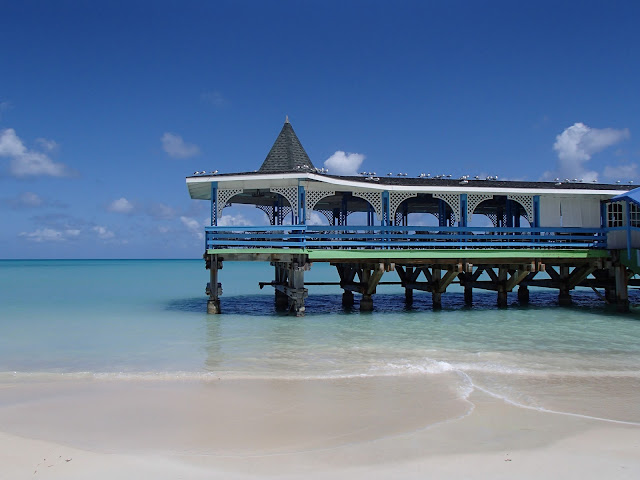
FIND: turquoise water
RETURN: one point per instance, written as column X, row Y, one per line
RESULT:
column 146, row 319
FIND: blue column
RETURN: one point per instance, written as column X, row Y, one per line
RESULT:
column 442, row 213
column 214, row 204
column 302, row 205
column 509, row 213
column 604, row 223
column 536, row 211
column 343, row 209
column 463, row 210
column 386, row 214
column 628, row 219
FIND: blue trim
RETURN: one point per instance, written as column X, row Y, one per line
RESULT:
column 302, row 205
column 463, row 210
column 214, row 203
column 536, row 211
column 386, row 213
column 442, row 213
column 628, row 230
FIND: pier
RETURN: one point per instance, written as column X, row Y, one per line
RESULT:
column 421, row 232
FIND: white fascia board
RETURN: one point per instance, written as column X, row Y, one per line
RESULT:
column 291, row 179
column 462, row 188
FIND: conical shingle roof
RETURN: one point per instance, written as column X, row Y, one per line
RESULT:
column 287, row 154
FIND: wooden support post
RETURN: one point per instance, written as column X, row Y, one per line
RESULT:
column 408, row 295
column 366, row 303
column 281, row 298
column 523, row 294
column 622, row 295
column 436, row 294
column 214, row 289
column 370, row 278
column 347, row 298
column 502, row 287
column 468, row 296
column 564, row 295
column 296, row 291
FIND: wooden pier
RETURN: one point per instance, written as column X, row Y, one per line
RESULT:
column 559, row 235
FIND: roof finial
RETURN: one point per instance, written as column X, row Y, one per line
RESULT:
column 286, row 119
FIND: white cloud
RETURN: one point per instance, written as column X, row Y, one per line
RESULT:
column 160, row 210
column 121, row 205
column 26, row 162
column 577, row 144
column 176, row 147
column 341, row 163
column 233, row 221
column 50, row 235
column 26, row 200
column 31, row 199
column 193, row 226
column 48, row 145
column 103, row 233
column 315, row 218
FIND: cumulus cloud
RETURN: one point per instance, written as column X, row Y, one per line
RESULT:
column 577, row 144
column 121, row 205
column 176, row 147
column 103, row 233
column 315, row 218
column 233, row 221
column 25, row 162
column 193, row 226
column 342, row 163
column 50, row 235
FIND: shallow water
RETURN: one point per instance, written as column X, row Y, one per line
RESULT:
column 146, row 319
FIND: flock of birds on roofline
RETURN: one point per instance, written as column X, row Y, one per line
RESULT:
column 372, row 176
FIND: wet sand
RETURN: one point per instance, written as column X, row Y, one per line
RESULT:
column 375, row 427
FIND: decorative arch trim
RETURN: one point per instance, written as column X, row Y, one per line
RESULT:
column 396, row 198
column 290, row 193
column 314, row 196
column 374, row 198
column 224, row 196
column 453, row 200
column 475, row 199
column 527, row 202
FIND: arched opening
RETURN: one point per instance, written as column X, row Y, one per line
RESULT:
column 344, row 208
column 424, row 210
column 243, row 209
column 499, row 211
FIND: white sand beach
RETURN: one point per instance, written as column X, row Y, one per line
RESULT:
column 377, row 427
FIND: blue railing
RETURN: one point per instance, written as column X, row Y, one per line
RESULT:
column 396, row 237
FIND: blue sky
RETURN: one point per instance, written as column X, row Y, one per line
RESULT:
column 106, row 107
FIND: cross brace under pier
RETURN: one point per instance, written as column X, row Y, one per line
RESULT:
column 502, row 275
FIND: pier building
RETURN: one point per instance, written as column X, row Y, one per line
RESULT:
column 430, row 230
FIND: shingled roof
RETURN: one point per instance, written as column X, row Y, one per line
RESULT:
column 287, row 154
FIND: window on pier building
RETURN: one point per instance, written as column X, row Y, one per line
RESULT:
column 615, row 214
column 634, row 215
